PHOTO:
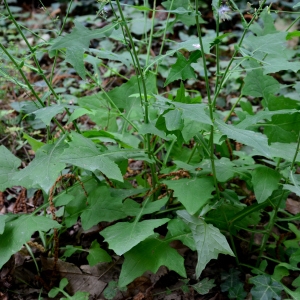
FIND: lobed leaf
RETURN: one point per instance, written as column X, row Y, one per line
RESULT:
column 134, row 232
column 96, row 254
column 256, row 140
column 44, row 169
column 202, row 287
column 265, row 288
column 101, row 206
column 77, row 42
column 182, row 68
column 8, row 168
column 208, row 239
column 18, row 231
column 187, row 192
column 265, row 181
column 83, row 153
column 149, row 255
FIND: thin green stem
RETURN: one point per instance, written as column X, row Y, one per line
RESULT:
column 210, row 104
column 151, row 33
column 28, row 84
column 293, row 23
column 112, row 103
column 224, row 77
column 192, row 153
column 146, row 4
column 296, row 153
column 164, row 35
column 32, row 51
column 168, row 152
column 233, row 107
column 217, row 49
column 235, row 8
column 145, row 103
column 273, row 216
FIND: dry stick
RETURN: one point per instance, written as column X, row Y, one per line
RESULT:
column 52, row 210
column 20, row 204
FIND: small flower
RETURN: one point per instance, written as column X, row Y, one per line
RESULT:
column 223, row 12
column 197, row 46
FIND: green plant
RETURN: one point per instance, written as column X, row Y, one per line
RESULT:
column 63, row 283
column 202, row 168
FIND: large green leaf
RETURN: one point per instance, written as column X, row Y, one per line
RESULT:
column 77, row 42
column 8, row 168
column 193, row 193
column 125, row 139
column 275, row 63
column 83, row 153
column 265, row 181
column 123, row 236
column 194, row 112
column 106, row 54
column 75, row 199
column 266, row 24
column 259, row 85
column 2, row 222
column 191, row 113
column 283, row 128
column 265, row 288
column 123, row 97
column 132, row 208
column 263, row 115
column 149, row 255
column 238, row 216
column 45, row 114
column 285, row 151
column 150, row 128
column 98, row 109
column 179, row 230
column 173, row 120
column 182, row 68
column 96, row 254
column 19, row 230
column 101, row 207
column 225, row 169
column 256, row 140
column 274, row 43
column 44, row 169
column 209, row 240
column 295, row 188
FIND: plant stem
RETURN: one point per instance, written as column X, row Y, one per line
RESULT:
column 145, row 103
column 168, row 152
column 217, row 49
column 112, row 103
column 151, row 33
column 164, row 35
column 40, row 71
column 273, row 217
column 29, row 85
column 233, row 107
column 224, row 77
column 210, row 104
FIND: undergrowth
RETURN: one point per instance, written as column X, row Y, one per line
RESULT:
column 215, row 142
